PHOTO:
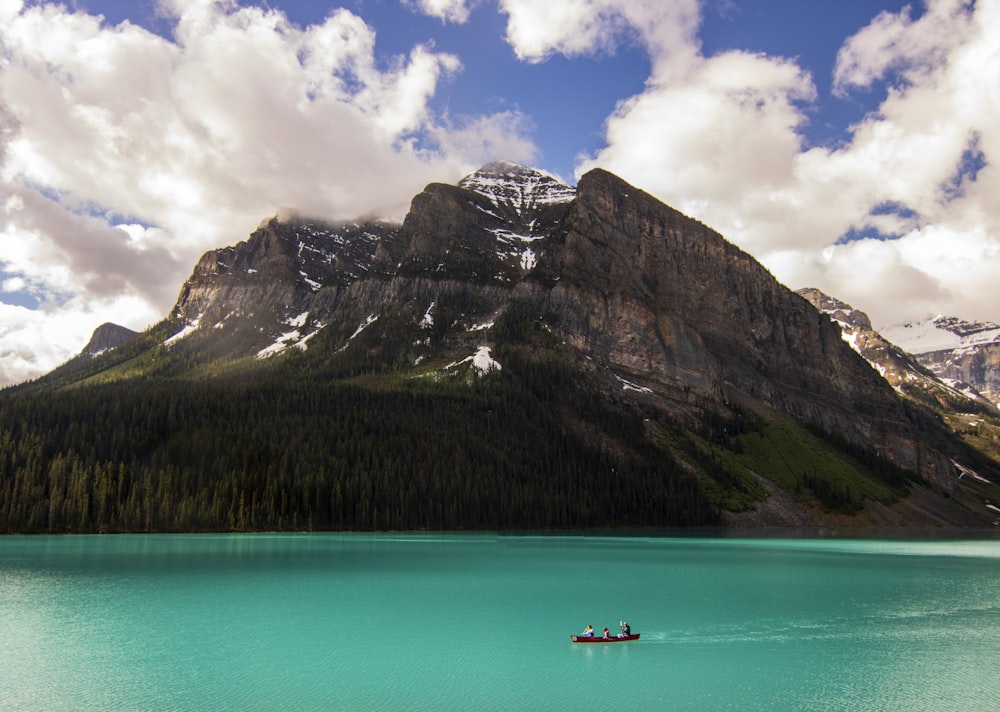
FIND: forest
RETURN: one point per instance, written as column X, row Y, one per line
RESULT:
column 282, row 451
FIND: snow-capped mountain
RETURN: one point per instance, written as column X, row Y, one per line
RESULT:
column 516, row 188
column 266, row 287
column 955, row 349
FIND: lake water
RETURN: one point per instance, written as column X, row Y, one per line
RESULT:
column 477, row 622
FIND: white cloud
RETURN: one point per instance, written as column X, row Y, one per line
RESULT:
column 9, row 9
column 482, row 139
column 15, row 285
column 697, row 140
column 931, row 149
column 456, row 11
column 721, row 138
column 894, row 42
column 536, row 30
column 198, row 137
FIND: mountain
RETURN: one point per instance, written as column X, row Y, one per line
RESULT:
column 955, row 349
column 903, row 370
column 106, row 337
column 517, row 353
column 964, row 410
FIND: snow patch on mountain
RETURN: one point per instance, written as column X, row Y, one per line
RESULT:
column 850, row 335
column 361, row 327
column 313, row 284
column 509, row 236
column 293, row 338
column 482, row 361
column 629, row 386
column 428, row 319
column 280, row 344
column 185, row 332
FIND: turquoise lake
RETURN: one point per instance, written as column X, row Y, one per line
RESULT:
column 480, row 622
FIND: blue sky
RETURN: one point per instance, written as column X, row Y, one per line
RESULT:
column 848, row 146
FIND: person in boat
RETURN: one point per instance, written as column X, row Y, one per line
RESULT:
column 588, row 632
column 626, row 630
column 607, row 633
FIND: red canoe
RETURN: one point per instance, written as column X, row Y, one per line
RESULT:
column 602, row 639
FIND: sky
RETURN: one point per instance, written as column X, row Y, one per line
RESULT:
column 849, row 146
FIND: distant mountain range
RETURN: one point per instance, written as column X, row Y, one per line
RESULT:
column 517, row 353
column 915, row 373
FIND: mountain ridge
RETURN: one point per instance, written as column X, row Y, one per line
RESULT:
column 972, row 415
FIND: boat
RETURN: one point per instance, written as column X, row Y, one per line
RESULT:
column 602, row 639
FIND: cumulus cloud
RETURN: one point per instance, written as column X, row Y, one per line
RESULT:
column 483, row 138
column 926, row 159
column 536, row 30
column 124, row 155
column 456, row 11
column 901, row 217
column 895, row 42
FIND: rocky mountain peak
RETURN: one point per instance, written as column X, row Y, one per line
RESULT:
column 955, row 349
column 981, row 330
column 105, row 337
column 518, row 188
column 278, row 271
column 843, row 313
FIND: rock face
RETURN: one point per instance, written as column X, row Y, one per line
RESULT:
column 105, row 337
column 660, row 307
column 979, row 367
column 276, row 274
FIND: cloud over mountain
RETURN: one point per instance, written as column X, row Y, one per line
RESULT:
column 186, row 140
column 722, row 137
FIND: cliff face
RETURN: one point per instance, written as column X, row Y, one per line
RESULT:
column 662, row 309
column 277, row 272
column 673, row 305
column 979, row 367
